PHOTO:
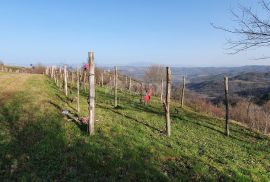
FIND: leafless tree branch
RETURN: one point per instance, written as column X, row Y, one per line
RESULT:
column 253, row 29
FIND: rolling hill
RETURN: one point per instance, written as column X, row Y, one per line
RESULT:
column 38, row 143
column 253, row 85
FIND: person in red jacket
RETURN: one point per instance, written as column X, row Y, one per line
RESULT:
column 148, row 95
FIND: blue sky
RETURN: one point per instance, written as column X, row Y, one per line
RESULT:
column 121, row 32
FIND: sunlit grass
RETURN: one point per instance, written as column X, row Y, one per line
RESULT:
column 39, row 143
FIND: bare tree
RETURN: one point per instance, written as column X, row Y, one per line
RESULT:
column 154, row 75
column 1, row 62
column 253, row 28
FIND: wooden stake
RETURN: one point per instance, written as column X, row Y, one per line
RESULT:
column 115, row 86
column 78, row 90
column 141, row 100
column 51, row 71
column 91, row 93
column 72, row 78
column 226, row 88
column 102, row 79
column 129, row 85
column 183, row 92
column 65, row 80
column 84, row 80
column 166, row 104
column 56, row 77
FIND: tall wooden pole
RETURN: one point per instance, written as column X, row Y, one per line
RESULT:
column 72, row 78
column 141, row 100
column 166, row 104
column 129, row 85
column 183, row 92
column 51, row 72
column 102, row 78
column 56, row 75
column 161, row 91
column 78, row 89
column 65, row 80
column 226, row 88
column 115, row 86
column 84, row 80
column 91, row 93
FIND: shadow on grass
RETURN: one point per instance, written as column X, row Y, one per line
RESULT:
column 116, row 110
column 35, row 146
column 81, row 126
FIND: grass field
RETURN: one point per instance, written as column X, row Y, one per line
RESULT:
column 39, row 144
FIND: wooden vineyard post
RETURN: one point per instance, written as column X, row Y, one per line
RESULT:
column 102, row 78
column 51, row 72
column 72, row 78
column 65, row 80
column 56, row 77
column 78, row 89
column 226, row 88
column 84, row 80
column 161, row 91
column 91, row 93
column 129, row 85
column 59, row 78
column 115, row 86
column 166, row 104
column 141, row 100
column 54, row 74
column 183, row 92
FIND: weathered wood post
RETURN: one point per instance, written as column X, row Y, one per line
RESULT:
column 129, row 85
column 72, row 77
column 54, row 74
column 84, row 80
column 115, row 86
column 59, row 78
column 46, row 71
column 183, row 92
column 65, row 80
column 51, row 71
column 161, row 91
column 102, row 78
column 78, row 89
column 56, row 77
column 166, row 104
column 141, row 100
column 226, row 88
column 111, row 84
column 91, row 93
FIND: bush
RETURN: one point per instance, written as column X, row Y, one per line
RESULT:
column 252, row 115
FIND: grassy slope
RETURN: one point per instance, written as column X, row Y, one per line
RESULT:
column 38, row 143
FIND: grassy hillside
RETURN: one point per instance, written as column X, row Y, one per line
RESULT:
column 38, row 143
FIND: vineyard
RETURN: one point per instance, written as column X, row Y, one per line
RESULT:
column 40, row 142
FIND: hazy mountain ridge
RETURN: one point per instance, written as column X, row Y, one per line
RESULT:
column 195, row 72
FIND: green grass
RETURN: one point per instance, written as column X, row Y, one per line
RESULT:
column 39, row 144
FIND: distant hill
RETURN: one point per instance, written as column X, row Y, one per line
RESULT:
column 245, row 81
column 251, row 84
column 193, row 73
